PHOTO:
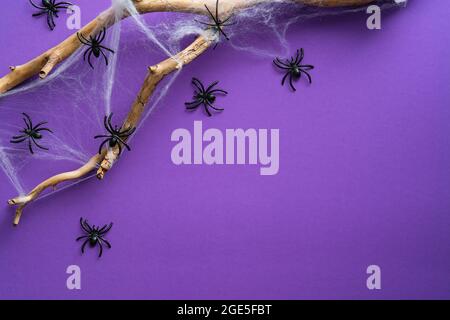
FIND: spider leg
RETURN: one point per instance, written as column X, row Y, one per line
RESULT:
column 280, row 66
column 40, row 124
column 108, row 227
column 110, row 50
column 105, row 123
column 101, row 249
column 19, row 137
column 286, row 64
column 297, row 56
column 228, row 24
column 39, row 14
column 128, row 132
column 212, row 16
column 302, row 55
column 30, row 147
column 124, row 143
column 217, row 9
column 89, row 58
column 101, row 35
column 106, row 242
column 223, row 33
column 84, row 245
column 50, row 21
column 88, row 42
column 307, row 66
column 198, row 101
column 36, row 6
column 194, row 105
column 218, row 90
column 27, row 121
column 82, row 237
column 111, row 127
column 198, row 84
column 205, row 104
column 38, row 145
column 102, row 136
column 291, row 84
column 17, row 140
column 104, row 56
column 212, row 85
column 82, row 39
column 63, row 5
column 205, row 23
column 85, row 225
column 215, row 108
column 307, row 75
column 43, row 129
column 101, row 146
column 284, row 78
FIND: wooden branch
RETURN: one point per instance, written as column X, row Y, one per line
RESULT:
column 155, row 74
column 45, row 63
column 22, row 201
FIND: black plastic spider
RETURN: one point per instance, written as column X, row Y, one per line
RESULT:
column 116, row 136
column 95, row 46
column 204, row 96
column 294, row 68
column 50, row 8
column 31, row 133
column 218, row 23
column 94, row 235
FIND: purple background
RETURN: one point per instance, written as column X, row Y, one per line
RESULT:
column 364, row 176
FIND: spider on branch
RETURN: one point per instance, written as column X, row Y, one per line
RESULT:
column 50, row 8
column 95, row 46
column 218, row 23
column 204, row 96
column 31, row 133
column 94, row 235
column 116, row 136
column 294, row 68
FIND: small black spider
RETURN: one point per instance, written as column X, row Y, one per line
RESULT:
column 294, row 68
column 218, row 23
column 95, row 46
column 50, row 8
column 94, row 235
column 31, row 133
column 204, row 96
column 116, row 136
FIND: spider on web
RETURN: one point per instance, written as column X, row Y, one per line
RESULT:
column 95, row 46
column 51, row 9
column 115, row 136
column 218, row 23
column 31, row 134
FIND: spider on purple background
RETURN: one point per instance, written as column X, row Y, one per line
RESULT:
column 94, row 235
column 294, row 68
column 51, row 9
column 204, row 96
